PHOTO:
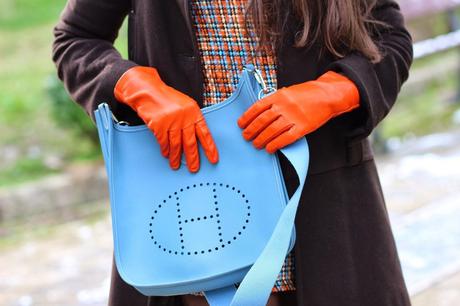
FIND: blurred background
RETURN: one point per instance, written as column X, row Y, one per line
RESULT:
column 55, row 235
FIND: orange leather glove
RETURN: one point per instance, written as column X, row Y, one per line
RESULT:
column 175, row 118
column 290, row 113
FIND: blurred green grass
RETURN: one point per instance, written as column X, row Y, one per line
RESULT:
column 430, row 108
column 24, row 169
column 21, row 14
column 26, row 127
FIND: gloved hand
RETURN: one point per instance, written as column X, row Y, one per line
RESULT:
column 175, row 118
column 290, row 113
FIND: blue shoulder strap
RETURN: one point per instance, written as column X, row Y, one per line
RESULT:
column 256, row 287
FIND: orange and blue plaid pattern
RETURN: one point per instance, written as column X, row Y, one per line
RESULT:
column 225, row 48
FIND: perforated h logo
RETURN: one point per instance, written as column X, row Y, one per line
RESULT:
column 209, row 219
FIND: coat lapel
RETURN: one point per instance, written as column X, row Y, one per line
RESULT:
column 184, row 6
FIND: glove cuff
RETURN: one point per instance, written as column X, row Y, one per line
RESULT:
column 346, row 92
column 132, row 81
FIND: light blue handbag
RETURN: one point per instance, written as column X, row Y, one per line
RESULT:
column 176, row 232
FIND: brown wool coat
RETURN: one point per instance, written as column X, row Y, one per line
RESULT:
column 345, row 251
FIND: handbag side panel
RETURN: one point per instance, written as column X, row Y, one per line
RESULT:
column 176, row 232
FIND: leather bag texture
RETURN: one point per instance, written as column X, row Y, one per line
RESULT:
column 177, row 232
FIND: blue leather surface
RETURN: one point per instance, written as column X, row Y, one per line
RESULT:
column 176, row 232
column 221, row 297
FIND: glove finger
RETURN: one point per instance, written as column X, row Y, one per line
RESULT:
column 259, row 124
column 205, row 138
column 278, row 127
column 163, row 141
column 190, row 147
column 252, row 112
column 175, row 148
column 281, row 141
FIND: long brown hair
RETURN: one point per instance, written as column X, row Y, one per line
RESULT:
column 340, row 25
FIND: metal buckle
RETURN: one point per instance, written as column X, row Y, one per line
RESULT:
column 266, row 90
column 119, row 122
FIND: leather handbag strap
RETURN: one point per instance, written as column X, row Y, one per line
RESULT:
column 256, row 286
column 221, row 296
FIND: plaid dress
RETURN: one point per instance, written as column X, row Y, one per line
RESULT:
column 224, row 48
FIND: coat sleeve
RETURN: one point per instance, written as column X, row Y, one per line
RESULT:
column 379, row 83
column 83, row 50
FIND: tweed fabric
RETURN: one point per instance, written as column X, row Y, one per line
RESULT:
column 225, row 47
